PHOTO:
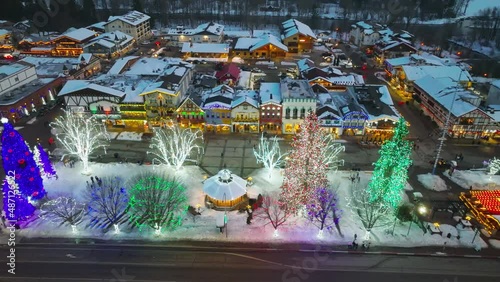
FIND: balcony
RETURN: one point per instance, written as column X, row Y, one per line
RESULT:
column 238, row 119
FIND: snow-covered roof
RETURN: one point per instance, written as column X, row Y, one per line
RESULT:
column 120, row 64
column 305, row 64
column 270, row 92
column 217, row 48
column 80, row 34
column 4, row 32
column 244, row 99
column 225, row 186
column 368, row 31
column 496, row 83
column 296, row 89
column 99, row 25
column 246, row 43
column 363, row 25
column 7, row 70
column 84, row 57
column 210, row 27
column 72, row 86
column 269, row 39
column 111, row 39
column 133, row 17
column 293, row 26
column 454, row 72
column 443, row 91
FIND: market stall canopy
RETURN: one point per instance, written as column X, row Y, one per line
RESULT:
column 225, row 183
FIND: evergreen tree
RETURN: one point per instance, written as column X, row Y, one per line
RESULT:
column 43, row 162
column 88, row 12
column 307, row 167
column 15, row 206
column 17, row 157
column 137, row 6
column 391, row 169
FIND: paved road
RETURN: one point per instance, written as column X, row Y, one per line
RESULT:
column 128, row 263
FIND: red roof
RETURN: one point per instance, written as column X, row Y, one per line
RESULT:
column 228, row 71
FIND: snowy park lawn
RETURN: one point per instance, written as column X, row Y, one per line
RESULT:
column 72, row 183
column 478, row 179
column 129, row 136
column 432, row 182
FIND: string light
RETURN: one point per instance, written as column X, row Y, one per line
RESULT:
column 391, row 169
column 17, row 156
column 268, row 153
column 80, row 136
column 307, row 167
column 173, row 145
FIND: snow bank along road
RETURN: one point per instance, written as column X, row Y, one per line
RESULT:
column 72, row 262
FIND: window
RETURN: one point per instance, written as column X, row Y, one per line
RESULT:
column 302, row 113
column 287, row 113
column 295, row 111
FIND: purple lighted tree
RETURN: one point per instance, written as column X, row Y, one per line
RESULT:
column 17, row 157
column 323, row 211
column 14, row 205
column 43, row 162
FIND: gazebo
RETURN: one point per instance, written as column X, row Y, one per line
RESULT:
column 225, row 191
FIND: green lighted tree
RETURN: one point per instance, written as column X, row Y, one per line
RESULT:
column 157, row 201
column 391, row 169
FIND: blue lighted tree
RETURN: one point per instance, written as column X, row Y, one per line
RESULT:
column 107, row 201
column 324, row 211
column 16, row 207
column 17, row 157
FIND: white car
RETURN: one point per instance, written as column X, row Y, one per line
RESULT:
column 272, row 67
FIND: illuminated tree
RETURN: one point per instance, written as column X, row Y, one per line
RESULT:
column 324, row 211
column 372, row 213
column 17, row 156
column 174, row 145
column 80, row 136
column 272, row 212
column 494, row 166
column 157, row 201
column 107, row 200
column 268, row 153
column 63, row 210
column 16, row 207
column 43, row 162
column 331, row 151
column 391, row 169
column 307, row 166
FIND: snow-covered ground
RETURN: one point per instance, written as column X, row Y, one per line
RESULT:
column 432, row 182
column 270, row 63
column 478, row 179
column 244, row 80
column 130, row 136
column 72, row 183
column 112, row 135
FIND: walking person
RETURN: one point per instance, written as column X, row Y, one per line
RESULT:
column 51, row 141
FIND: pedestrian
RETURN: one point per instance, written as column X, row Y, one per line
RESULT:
column 92, row 179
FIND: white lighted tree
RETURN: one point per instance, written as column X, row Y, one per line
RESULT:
column 494, row 166
column 331, row 151
column 371, row 213
column 63, row 210
column 268, row 153
column 174, row 145
column 80, row 136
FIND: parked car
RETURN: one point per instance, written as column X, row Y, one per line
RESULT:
column 290, row 70
column 272, row 67
column 257, row 70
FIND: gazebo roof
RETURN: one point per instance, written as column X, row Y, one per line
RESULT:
column 225, row 186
